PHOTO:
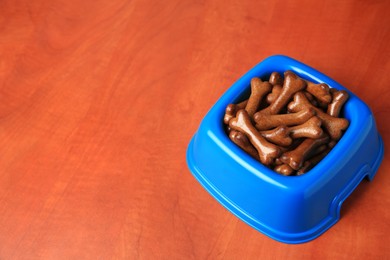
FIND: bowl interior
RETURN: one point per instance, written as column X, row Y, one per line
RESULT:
column 241, row 91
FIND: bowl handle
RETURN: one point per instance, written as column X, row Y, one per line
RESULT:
column 335, row 208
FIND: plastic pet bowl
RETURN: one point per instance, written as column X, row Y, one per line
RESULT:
column 290, row 209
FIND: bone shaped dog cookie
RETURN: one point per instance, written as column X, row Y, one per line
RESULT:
column 271, row 97
column 333, row 125
column 292, row 84
column 310, row 129
column 311, row 98
column 339, row 98
column 258, row 90
column 296, row 157
column 275, row 79
column 232, row 109
column 242, row 141
column 284, row 169
column 279, row 135
column 230, row 112
column 242, row 104
column 320, row 91
column 265, row 122
column 267, row 151
column 282, row 135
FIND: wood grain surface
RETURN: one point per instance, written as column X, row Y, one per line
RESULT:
column 99, row 100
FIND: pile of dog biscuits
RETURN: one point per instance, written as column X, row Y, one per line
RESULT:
column 288, row 123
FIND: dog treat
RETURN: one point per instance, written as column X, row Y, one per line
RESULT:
column 230, row 112
column 266, row 122
column 267, row 151
column 278, row 161
column 242, row 141
column 284, row 169
column 311, row 98
column 242, row 104
column 271, row 97
column 292, row 84
column 279, row 135
column 334, row 125
column 339, row 98
column 232, row 109
column 258, row 90
column 282, row 135
column 310, row 129
column 296, row 157
column 297, row 129
column 320, row 91
column 275, row 79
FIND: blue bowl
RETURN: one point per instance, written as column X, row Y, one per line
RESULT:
column 290, row 209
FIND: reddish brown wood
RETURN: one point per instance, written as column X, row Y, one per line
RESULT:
column 99, row 99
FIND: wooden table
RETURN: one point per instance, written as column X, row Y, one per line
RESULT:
column 98, row 102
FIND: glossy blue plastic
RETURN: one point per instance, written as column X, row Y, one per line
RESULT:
column 290, row 209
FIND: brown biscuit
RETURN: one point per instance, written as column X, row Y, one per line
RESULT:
column 267, row 151
column 258, row 90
